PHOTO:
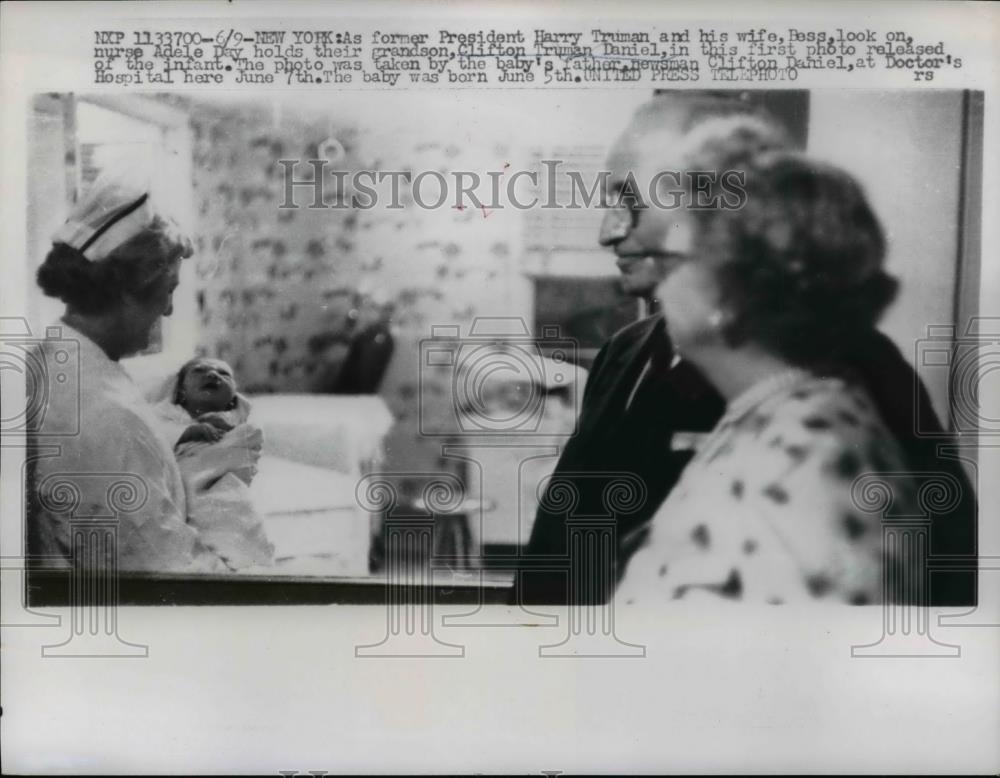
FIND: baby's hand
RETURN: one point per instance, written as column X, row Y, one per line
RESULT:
column 217, row 420
column 202, row 431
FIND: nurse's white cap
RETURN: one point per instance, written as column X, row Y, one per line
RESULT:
column 116, row 208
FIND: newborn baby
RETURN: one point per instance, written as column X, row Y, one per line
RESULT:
column 206, row 389
column 205, row 419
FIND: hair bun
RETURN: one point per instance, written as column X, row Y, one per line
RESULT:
column 65, row 274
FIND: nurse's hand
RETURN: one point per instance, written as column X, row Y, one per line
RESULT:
column 251, row 437
column 237, row 452
column 250, row 441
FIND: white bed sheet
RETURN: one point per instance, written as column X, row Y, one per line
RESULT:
column 311, row 516
column 339, row 432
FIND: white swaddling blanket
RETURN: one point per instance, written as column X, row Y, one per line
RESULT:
column 217, row 478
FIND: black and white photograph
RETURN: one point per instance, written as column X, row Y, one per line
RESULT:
column 448, row 386
column 640, row 349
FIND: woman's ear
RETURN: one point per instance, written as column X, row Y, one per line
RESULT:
column 728, row 325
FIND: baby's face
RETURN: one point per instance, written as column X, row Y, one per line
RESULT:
column 208, row 386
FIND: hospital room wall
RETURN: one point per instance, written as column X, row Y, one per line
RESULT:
column 448, row 267
column 906, row 149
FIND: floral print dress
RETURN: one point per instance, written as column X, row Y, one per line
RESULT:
column 766, row 510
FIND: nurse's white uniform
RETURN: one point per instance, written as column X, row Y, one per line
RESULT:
column 117, row 442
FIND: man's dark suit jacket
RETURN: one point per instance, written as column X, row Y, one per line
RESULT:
column 676, row 397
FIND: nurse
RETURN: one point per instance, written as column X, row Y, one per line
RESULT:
column 115, row 264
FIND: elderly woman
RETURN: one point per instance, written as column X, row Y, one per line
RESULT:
column 115, row 265
column 765, row 298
